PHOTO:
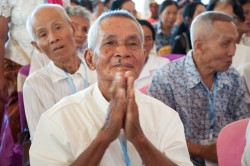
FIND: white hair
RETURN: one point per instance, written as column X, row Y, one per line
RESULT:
column 78, row 11
column 93, row 35
column 30, row 19
column 203, row 23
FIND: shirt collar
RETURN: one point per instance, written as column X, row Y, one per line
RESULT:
column 191, row 73
column 193, row 76
column 58, row 74
column 102, row 102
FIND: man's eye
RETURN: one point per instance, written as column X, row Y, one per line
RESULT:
column 58, row 27
column 132, row 44
column 42, row 35
column 109, row 43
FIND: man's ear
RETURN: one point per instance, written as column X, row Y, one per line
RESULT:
column 89, row 59
column 198, row 46
column 36, row 46
column 73, row 26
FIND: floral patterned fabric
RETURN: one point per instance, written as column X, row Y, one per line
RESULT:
column 179, row 86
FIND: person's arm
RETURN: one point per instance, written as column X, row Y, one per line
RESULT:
column 149, row 154
column 3, row 87
column 207, row 152
column 33, row 105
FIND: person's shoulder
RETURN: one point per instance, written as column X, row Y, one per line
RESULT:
column 39, row 75
column 71, row 103
column 153, row 105
column 232, row 72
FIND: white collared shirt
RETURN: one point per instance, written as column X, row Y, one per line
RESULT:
column 47, row 86
column 69, row 127
column 154, row 62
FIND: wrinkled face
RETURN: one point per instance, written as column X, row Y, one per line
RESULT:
column 219, row 47
column 169, row 15
column 130, row 7
column 54, row 36
column 199, row 9
column 246, row 9
column 120, row 48
column 81, row 29
column 148, row 40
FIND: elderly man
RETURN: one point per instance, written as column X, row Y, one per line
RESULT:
column 110, row 123
column 80, row 17
column 65, row 74
column 202, row 87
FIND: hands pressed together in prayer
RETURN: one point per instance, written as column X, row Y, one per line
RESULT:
column 123, row 110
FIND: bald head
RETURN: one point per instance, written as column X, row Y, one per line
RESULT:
column 44, row 9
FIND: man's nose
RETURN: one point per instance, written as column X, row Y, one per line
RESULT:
column 54, row 37
column 122, row 51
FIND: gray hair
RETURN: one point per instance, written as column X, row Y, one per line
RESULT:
column 203, row 23
column 93, row 35
column 30, row 19
column 78, row 11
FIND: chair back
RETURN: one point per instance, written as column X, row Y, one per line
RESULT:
column 21, row 77
column 231, row 143
column 173, row 57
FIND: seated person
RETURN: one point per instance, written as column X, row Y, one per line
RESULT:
column 245, row 161
column 152, row 61
column 80, row 17
column 128, row 5
column 233, row 8
column 164, row 31
column 66, row 74
column 182, row 42
column 244, row 71
column 110, row 123
column 202, row 87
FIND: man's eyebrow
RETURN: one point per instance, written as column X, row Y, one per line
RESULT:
column 109, row 36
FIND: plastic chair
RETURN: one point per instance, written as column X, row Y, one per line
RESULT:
column 173, row 57
column 231, row 143
column 59, row 2
column 21, row 77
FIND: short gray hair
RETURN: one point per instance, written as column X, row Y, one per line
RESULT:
column 93, row 35
column 203, row 23
column 30, row 19
column 78, row 11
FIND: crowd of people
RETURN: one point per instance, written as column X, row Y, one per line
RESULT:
column 103, row 89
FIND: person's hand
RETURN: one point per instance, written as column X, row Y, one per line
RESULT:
column 207, row 152
column 132, row 127
column 117, row 108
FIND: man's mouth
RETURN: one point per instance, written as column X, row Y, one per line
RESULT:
column 58, row 48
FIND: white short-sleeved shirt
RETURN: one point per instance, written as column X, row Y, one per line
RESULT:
column 154, row 62
column 69, row 127
column 47, row 86
column 18, row 11
column 241, row 56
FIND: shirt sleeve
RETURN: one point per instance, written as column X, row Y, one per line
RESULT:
column 50, row 146
column 33, row 107
column 5, row 8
